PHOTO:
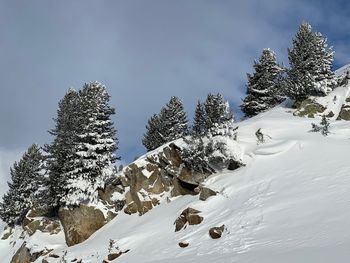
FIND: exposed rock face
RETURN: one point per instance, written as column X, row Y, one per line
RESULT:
column 157, row 174
column 216, row 232
column 80, row 223
column 205, row 193
column 190, row 216
column 309, row 108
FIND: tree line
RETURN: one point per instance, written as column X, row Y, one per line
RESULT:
column 68, row 171
column 310, row 73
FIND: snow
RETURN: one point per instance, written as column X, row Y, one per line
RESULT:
column 290, row 203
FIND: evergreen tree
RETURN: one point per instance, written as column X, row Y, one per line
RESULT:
column 61, row 150
column 217, row 111
column 94, row 148
column 174, row 120
column 153, row 138
column 263, row 85
column 199, row 122
column 26, row 177
column 310, row 61
column 170, row 124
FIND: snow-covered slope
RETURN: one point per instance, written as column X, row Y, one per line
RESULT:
column 290, row 203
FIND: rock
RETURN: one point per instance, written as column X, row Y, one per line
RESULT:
column 205, row 193
column 7, row 233
column 190, row 216
column 330, row 114
column 23, row 255
column 233, row 165
column 309, row 108
column 216, row 232
column 113, row 256
column 46, row 225
column 344, row 113
column 111, row 186
column 80, row 223
column 183, row 244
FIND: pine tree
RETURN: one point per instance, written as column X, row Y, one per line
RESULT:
column 310, row 61
column 26, row 177
column 170, row 124
column 94, row 148
column 153, row 138
column 263, row 85
column 61, row 150
column 217, row 111
column 173, row 120
column 199, row 122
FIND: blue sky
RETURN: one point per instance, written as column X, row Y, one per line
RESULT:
column 144, row 52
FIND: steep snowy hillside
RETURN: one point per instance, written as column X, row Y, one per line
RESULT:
column 290, row 203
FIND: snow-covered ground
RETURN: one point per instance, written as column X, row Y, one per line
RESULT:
column 290, row 203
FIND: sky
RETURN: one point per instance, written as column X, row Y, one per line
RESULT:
column 143, row 52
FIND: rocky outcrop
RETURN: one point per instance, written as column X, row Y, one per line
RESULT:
column 157, row 174
column 216, row 232
column 309, row 108
column 80, row 223
column 190, row 216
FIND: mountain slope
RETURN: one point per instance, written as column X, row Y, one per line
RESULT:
column 290, row 203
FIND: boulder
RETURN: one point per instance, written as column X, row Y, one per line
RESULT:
column 205, row 193
column 216, row 232
column 344, row 113
column 113, row 256
column 7, row 233
column 190, row 216
column 46, row 225
column 183, row 244
column 80, row 223
column 309, row 108
column 23, row 254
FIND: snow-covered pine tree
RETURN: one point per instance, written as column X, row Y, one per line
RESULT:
column 310, row 61
column 94, row 150
column 217, row 111
column 153, row 138
column 173, row 120
column 61, row 150
column 26, row 177
column 199, row 122
column 263, row 85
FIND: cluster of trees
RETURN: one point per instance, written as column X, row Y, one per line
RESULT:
column 171, row 123
column 68, row 171
column 310, row 73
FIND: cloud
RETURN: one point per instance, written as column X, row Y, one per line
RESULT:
column 143, row 51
